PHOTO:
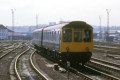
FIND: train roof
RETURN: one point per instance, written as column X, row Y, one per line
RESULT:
column 78, row 24
column 36, row 30
column 73, row 24
column 55, row 27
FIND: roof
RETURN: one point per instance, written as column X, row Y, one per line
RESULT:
column 10, row 30
column 36, row 30
column 15, row 34
column 55, row 27
column 2, row 26
column 78, row 24
column 73, row 24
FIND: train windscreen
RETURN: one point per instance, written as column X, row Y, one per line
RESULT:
column 67, row 35
column 78, row 36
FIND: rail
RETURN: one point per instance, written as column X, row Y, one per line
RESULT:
column 110, row 77
column 34, row 67
column 16, row 61
column 8, row 52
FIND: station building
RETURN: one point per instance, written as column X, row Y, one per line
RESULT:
column 3, row 32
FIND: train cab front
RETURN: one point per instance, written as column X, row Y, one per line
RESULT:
column 76, row 44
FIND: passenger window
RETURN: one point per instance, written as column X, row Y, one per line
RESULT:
column 78, row 36
column 87, row 35
column 67, row 35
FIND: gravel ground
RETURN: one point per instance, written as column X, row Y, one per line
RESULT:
column 46, row 66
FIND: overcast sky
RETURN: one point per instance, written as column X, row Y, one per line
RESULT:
column 53, row 10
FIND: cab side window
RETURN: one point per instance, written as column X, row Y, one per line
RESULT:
column 67, row 35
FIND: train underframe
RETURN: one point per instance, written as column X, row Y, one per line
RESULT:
column 73, row 57
column 76, row 57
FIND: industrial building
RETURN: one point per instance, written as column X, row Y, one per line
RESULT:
column 115, row 34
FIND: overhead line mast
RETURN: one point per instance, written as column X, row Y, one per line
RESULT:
column 108, row 13
column 12, row 10
column 100, row 33
column 36, row 21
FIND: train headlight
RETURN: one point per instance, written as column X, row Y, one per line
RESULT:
column 67, row 48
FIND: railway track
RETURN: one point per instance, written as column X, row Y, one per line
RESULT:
column 24, row 67
column 4, row 54
column 88, row 73
column 109, row 48
column 112, row 52
column 106, row 47
column 103, row 75
column 82, row 75
column 107, row 44
column 106, row 62
column 8, row 47
column 5, row 60
column 35, row 68
column 16, row 63
column 112, row 68
column 2, row 45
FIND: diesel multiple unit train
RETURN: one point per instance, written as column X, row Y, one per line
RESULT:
column 71, row 41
